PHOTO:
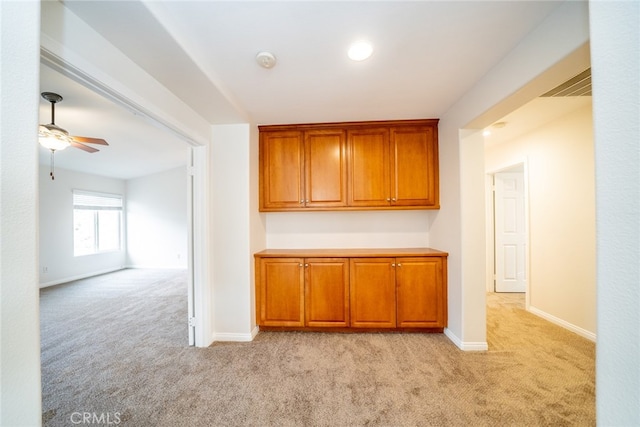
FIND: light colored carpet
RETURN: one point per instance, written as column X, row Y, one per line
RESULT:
column 115, row 346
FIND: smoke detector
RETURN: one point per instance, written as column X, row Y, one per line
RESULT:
column 266, row 59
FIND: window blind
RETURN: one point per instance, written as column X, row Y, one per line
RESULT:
column 97, row 201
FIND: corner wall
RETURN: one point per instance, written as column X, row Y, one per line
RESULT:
column 156, row 218
column 20, row 392
column 615, row 72
column 231, row 239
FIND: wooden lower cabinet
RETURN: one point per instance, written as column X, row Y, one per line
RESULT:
column 326, row 292
column 373, row 293
column 351, row 289
column 397, row 293
column 281, row 292
column 420, row 292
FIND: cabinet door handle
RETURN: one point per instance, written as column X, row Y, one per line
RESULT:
column 307, row 201
column 388, row 199
column 300, row 265
column 301, row 202
column 399, row 265
column 393, row 265
column 393, row 199
column 306, row 265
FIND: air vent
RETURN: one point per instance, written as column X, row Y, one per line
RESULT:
column 579, row 85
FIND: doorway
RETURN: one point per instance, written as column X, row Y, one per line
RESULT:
column 507, row 230
column 159, row 201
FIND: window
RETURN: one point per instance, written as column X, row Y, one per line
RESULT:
column 97, row 222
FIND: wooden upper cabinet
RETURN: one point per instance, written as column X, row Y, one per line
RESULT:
column 325, row 168
column 414, row 169
column 369, row 167
column 352, row 165
column 281, row 164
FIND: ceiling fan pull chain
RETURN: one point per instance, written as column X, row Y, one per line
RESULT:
column 53, row 152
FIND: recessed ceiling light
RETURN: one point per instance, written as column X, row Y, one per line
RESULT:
column 360, row 50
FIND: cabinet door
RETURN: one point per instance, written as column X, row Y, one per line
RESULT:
column 325, row 168
column 369, row 167
column 281, row 170
column 373, row 293
column 327, row 292
column 281, row 292
column 415, row 166
column 420, row 291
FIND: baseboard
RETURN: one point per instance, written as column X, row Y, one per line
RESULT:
column 563, row 323
column 158, row 267
column 79, row 277
column 230, row 336
column 465, row 346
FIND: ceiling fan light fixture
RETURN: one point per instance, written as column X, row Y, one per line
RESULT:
column 53, row 137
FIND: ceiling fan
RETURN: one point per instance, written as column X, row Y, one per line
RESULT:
column 56, row 138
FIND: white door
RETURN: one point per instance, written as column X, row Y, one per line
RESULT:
column 510, row 233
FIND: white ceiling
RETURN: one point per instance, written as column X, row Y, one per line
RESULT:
column 427, row 54
column 136, row 148
column 531, row 116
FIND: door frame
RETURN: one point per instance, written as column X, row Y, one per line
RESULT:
column 197, row 187
column 516, row 166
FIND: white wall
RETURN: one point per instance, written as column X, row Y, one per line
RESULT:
column 56, row 227
column 355, row 229
column 20, row 390
column 561, row 182
column 231, row 227
column 554, row 52
column 615, row 53
column 156, row 212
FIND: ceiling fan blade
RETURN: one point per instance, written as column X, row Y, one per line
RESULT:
column 88, row 140
column 84, row 147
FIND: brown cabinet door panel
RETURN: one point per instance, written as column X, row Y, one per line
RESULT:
column 373, row 293
column 281, row 292
column 413, row 175
column 282, row 157
column 327, row 292
column 325, row 168
column 369, row 167
column 420, row 292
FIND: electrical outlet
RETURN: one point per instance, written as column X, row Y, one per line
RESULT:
column 45, row 269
